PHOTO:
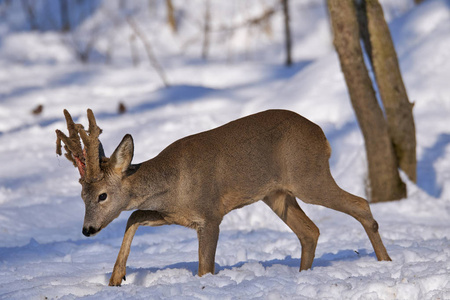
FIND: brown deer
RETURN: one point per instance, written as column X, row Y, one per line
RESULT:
column 274, row 156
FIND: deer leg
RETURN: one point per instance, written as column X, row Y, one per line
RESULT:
column 208, row 235
column 360, row 210
column 287, row 208
column 327, row 193
column 137, row 218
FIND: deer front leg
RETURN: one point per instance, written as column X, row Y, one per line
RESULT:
column 208, row 235
column 137, row 218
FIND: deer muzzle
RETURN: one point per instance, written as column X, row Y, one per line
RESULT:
column 88, row 231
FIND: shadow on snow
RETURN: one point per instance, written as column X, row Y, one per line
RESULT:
column 426, row 172
column 325, row 260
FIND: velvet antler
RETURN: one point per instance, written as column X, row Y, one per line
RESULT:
column 88, row 159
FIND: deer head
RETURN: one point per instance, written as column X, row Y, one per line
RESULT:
column 101, row 178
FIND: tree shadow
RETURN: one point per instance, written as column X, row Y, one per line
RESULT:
column 334, row 136
column 40, row 123
column 176, row 94
column 426, row 173
column 173, row 95
column 278, row 72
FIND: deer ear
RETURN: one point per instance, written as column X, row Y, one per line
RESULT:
column 121, row 158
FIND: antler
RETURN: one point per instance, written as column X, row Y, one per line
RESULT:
column 74, row 152
column 88, row 159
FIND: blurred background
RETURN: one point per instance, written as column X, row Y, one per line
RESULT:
column 164, row 69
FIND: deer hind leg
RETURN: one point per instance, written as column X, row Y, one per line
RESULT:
column 360, row 210
column 208, row 236
column 136, row 219
column 327, row 193
column 287, row 208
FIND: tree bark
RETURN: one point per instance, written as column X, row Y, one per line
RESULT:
column 361, row 13
column 397, row 107
column 385, row 183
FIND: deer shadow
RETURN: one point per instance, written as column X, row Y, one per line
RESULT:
column 326, row 260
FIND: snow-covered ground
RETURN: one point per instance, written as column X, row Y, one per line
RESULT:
column 43, row 254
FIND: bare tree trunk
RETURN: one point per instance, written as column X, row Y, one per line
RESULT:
column 65, row 21
column 385, row 182
column 392, row 90
column 287, row 32
column 206, row 29
column 29, row 11
column 171, row 16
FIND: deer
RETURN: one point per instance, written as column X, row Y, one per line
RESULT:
column 275, row 156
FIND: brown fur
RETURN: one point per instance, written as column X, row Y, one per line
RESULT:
column 272, row 156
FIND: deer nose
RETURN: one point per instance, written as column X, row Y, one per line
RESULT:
column 89, row 231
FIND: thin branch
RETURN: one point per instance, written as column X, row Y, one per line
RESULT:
column 148, row 48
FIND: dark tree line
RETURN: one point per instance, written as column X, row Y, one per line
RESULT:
column 60, row 15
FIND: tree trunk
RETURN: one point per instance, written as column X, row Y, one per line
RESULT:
column 65, row 21
column 171, row 16
column 287, row 32
column 29, row 11
column 392, row 90
column 206, row 29
column 361, row 13
column 385, row 183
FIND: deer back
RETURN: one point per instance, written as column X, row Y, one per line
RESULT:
column 216, row 171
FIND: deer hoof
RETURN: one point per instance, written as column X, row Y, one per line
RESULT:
column 116, row 280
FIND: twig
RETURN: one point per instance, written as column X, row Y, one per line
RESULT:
column 148, row 48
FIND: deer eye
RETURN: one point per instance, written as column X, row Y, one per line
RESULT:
column 102, row 197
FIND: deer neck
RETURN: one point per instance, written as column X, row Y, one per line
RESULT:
column 148, row 185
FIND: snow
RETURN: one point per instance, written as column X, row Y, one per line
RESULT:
column 43, row 254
